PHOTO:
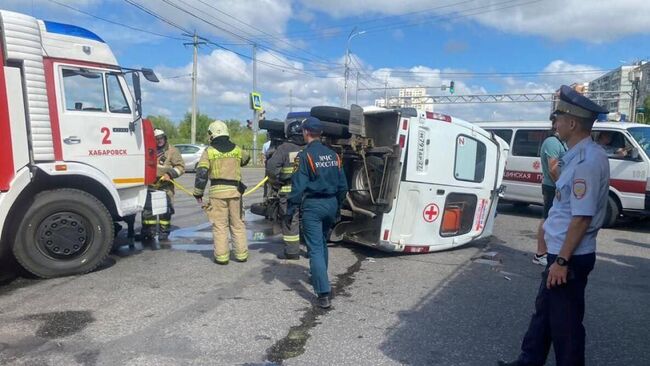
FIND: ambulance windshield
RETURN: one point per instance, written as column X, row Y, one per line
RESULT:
column 642, row 136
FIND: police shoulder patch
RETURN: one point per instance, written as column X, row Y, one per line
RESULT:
column 579, row 188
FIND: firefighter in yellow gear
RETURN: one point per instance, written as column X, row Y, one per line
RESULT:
column 170, row 166
column 279, row 169
column 221, row 164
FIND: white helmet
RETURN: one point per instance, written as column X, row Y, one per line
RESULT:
column 159, row 133
column 216, row 129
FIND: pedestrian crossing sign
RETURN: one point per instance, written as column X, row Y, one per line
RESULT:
column 256, row 101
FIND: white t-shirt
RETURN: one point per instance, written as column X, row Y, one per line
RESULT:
column 265, row 147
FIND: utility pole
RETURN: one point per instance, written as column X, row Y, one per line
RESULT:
column 290, row 100
column 195, row 43
column 347, row 62
column 194, row 76
column 635, row 77
column 256, row 114
column 386, row 91
column 356, row 93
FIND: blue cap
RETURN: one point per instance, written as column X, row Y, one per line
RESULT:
column 576, row 104
column 312, row 124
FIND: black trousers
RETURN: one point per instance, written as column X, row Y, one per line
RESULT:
column 558, row 317
column 548, row 193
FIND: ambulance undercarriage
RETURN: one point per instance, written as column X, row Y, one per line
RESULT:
column 408, row 191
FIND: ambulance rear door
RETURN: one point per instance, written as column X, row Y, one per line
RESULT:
column 449, row 183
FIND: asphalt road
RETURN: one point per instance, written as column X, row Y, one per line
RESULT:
column 173, row 306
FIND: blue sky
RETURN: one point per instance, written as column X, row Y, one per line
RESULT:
column 417, row 42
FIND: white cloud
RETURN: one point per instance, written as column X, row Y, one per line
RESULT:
column 591, row 21
column 221, row 18
column 225, row 80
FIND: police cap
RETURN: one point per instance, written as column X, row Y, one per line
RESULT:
column 312, row 124
column 576, row 104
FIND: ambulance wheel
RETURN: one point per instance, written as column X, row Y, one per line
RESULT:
column 64, row 232
column 331, row 114
column 360, row 189
column 612, row 213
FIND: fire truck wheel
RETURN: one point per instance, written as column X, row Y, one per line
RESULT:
column 612, row 212
column 64, row 232
column 331, row 114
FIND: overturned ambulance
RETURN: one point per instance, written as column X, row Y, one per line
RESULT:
column 419, row 181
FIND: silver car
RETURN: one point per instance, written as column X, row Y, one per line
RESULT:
column 191, row 155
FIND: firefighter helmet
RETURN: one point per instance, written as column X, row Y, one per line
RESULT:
column 159, row 133
column 216, row 129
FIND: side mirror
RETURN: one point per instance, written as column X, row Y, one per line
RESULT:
column 138, row 99
column 634, row 154
column 150, row 75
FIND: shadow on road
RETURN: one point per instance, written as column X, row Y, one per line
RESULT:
column 480, row 313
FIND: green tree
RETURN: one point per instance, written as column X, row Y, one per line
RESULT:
column 202, row 123
column 646, row 109
column 164, row 124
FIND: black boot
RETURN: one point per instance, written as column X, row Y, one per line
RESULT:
column 512, row 363
column 324, row 301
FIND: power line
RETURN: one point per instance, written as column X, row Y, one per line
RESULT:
column 176, row 77
column 484, row 9
column 114, row 22
column 339, row 26
column 250, row 41
column 159, row 17
column 295, row 71
column 278, row 38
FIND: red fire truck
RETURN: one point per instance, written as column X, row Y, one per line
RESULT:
column 75, row 154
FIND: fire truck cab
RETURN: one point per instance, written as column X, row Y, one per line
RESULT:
column 75, row 155
column 418, row 181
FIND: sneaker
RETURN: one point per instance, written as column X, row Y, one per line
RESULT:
column 540, row 259
column 324, row 301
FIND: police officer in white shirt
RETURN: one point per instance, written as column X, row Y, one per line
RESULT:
column 570, row 231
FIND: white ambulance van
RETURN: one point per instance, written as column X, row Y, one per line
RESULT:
column 74, row 153
column 418, row 181
column 629, row 191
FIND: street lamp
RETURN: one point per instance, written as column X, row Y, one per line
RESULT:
column 353, row 34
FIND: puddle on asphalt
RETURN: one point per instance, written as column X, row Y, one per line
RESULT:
column 293, row 344
column 61, row 323
column 199, row 237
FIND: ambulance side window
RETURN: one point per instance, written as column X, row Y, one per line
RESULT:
column 84, row 90
column 470, row 159
column 528, row 142
column 116, row 99
column 506, row 135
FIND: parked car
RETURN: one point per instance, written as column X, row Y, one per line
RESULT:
column 191, row 155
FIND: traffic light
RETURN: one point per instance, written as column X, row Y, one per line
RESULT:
column 451, row 87
column 249, row 124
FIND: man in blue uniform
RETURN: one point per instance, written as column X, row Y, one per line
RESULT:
column 570, row 232
column 318, row 188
